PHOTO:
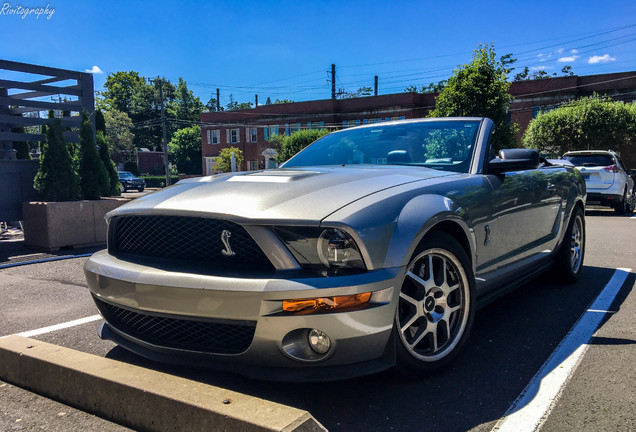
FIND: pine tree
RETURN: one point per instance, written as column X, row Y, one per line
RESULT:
column 113, row 188
column 94, row 179
column 56, row 179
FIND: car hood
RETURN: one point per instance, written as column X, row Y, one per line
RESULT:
column 291, row 195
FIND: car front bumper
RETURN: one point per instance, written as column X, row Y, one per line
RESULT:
column 360, row 340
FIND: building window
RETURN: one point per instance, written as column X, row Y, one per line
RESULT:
column 252, row 165
column 254, row 136
column 286, row 129
column 322, row 125
column 232, row 135
column 296, row 128
column 273, row 130
column 266, row 133
column 309, row 125
column 213, row 136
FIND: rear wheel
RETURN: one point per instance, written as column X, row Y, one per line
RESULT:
column 436, row 306
column 623, row 206
column 569, row 259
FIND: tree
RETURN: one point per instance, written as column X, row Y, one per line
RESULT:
column 282, row 101
column 113, row 188
column 138, row 97
column 362, row 91
column 431, row 88
column 297, row 141
column 121, row 88
column 100, row 122
column 268, row 101
column 233, row 105
column 94, row 180
column 56, row 179
column 119, row 134
column 21, row 147
column 588, row 123
column 185, row 106
column 212, row 105
column 480, row 89
column 224, row 159
column 185, row 148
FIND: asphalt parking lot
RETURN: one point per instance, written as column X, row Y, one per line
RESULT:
column 511, row 340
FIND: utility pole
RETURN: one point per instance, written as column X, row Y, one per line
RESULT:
column 333, row 81
column 255, row 100
column 375, row 86
column 163, row 132
column 218, row 102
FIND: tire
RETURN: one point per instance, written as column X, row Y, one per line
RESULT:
column 629, row 207
column 436, row 309
column 622, row 206
column 569, row 260
column 140, row 189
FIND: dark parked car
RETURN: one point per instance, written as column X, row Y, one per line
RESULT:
column 372, row 248
column 129, row 181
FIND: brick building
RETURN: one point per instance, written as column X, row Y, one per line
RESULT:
column 250, row 129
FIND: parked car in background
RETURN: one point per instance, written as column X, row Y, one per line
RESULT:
column 129, row 181
column 607, row 179
column 371, row 248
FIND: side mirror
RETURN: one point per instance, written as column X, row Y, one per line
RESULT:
column 514, row 160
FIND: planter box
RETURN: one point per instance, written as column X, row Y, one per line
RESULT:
column 54, row 225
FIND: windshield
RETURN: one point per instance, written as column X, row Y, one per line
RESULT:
column 445, row 145
column 590, row 160
column 125, row 174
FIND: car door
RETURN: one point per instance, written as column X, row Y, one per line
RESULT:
column 527, row 215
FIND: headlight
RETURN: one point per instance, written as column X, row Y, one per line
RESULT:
column 321, row 248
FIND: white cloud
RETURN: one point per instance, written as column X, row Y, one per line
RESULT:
column 600, row 59
column 571, row 58
column 94, row 70
column 535, row 68
column 574, row 51
column 560, row 50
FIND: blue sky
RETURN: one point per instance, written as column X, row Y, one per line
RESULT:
column 283, row 49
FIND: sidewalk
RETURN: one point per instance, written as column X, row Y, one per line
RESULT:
column 14, row 252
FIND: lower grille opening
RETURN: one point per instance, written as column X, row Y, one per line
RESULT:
column 218, row 337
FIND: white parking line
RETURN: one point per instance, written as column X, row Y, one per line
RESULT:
column 55, row 327
column 535, row 402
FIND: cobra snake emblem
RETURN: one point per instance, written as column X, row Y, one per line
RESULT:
column 225, row 238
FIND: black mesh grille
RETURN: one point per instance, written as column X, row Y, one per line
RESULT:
column 203, row 336
column 190, row 239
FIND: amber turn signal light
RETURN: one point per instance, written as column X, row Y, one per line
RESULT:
column 326, row 304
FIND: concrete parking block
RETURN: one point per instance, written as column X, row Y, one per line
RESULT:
column 137, row 397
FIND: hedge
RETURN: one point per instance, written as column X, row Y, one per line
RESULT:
column 158, row 181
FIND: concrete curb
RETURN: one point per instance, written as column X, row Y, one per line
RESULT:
column 140, row 398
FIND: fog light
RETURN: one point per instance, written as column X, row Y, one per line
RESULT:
column 319, row 341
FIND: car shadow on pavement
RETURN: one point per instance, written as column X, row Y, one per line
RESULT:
column 511, row 339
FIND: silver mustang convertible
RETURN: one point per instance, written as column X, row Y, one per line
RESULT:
column 371, row 248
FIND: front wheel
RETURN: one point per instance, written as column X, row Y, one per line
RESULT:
column 436, row 306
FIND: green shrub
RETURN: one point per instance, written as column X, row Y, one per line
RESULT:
column 113, row 188
column 94, row 180
column 297, row 141
column 158, row 181
column 56, row 179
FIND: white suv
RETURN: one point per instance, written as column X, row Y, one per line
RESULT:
column 607, row 180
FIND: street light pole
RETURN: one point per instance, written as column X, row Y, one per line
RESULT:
column 163, row 132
